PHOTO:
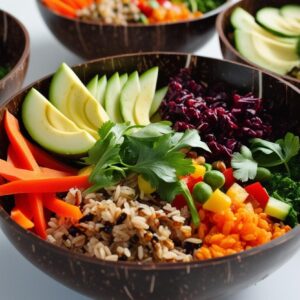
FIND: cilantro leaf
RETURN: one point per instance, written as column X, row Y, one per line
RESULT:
column 268, row 154
column 245, row 167
column 153, row 130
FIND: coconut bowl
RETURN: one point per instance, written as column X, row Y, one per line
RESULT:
column 225, row 31
column 92, row 40
column 132, row 280
column 14, row 53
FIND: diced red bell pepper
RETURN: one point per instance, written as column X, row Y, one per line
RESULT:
column 229, row 178
column 258, row 192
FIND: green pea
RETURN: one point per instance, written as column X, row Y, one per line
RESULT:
column 262, row 174
column 208, row 167
column 215, row 179
column 202, row 191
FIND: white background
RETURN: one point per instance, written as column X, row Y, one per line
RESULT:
column 19, row 280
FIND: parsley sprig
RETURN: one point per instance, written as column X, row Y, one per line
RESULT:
column 152, row 151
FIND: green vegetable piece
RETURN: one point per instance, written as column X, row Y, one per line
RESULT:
column 215, row 179
column 263, row 174
column 208, row 167
column 202, row 191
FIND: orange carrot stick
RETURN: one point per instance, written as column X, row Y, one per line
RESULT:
column 18, row 142
column 61, row 207
column 72, row 3
column 22, row 203
column 36, row 203
column 44, row 159
column 61, row 8
column 11, row 173
column 21, row 219
column 44, row 185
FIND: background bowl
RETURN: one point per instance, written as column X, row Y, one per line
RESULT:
column 93, row 40
column 14, row 52
column 197, row 280
column 225, row 31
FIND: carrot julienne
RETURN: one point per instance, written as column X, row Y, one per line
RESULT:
column 21, row 219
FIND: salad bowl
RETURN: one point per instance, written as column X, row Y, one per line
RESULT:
column 225, row 31
column 14, row 54
column 206, row 279
column 90, row 39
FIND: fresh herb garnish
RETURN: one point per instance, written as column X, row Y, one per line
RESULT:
column 152, row 151
column 245, row 167
column 268, row 154
column 264, row 153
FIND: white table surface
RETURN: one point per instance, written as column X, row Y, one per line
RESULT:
column 18, row 278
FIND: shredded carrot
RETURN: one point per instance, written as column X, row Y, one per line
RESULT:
column 60, row 207
column 21, row 219
column 44, row 185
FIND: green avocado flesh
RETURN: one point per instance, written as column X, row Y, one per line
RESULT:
column 65, row 139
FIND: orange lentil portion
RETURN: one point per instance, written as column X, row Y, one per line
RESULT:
column 234, row 230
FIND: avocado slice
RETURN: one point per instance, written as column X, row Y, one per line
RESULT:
column 101, row 89
column 129, row 94
column 112, row 98
column 74, row 100
column 291, row 11
column 144, row 101
column 35, row 111
column 158, row 98
column 241, row 19
column 123, row 79
column 265, row 53
column 270, row 19
column 92, row 86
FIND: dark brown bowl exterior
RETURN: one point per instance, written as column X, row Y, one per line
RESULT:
column 225, row 31
column 14, row 51
column 93, row 40
column 198, row 280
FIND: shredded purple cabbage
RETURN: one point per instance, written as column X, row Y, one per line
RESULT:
column 225, row 120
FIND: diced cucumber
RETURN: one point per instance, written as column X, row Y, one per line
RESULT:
column 158, row 98
column 277, row 209
column 271, row 19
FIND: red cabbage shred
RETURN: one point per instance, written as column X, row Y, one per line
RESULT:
column 224, row 119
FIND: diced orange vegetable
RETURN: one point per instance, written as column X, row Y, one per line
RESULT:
column 12, row 158
column 217, row 202
column 237, row 193
column 18, row 143
column 21, row 219
column 44, row 159
column 44, row 185
column 60, row 207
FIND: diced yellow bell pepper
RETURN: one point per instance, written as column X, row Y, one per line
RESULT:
column 199, row 170
column 145, row 186
column 86, row 170
column 217, row 202
column 237, row 193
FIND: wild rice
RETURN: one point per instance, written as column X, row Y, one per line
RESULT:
column 122, row 226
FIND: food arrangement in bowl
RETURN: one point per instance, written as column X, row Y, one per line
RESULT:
column 150, row 166
column 93, row 29
column 264, row 34
column 133, row 11
column 14, row 54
